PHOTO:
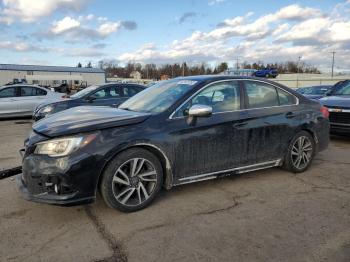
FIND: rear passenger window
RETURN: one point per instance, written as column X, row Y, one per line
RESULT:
column 28, row 91
column 114, row 91
column 285, row 98
column 129, row 91
column 40, row 92
column 261, row 95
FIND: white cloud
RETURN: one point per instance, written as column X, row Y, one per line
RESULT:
column 108, row 28
column 83, row 28
column 65, row 24
column 214, row 2
column 283, row 35
column 31, row 10
column 340, row 31
column 22, row 47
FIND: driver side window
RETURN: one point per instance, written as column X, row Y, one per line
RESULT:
column 100, row 94
column 222, row 97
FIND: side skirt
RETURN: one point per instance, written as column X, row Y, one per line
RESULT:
column 222, row 173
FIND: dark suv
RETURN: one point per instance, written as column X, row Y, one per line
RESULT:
column 338, row 103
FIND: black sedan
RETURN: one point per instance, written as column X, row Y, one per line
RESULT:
column 176, row 132
column 98, row 95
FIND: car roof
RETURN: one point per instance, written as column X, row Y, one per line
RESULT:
column 217, row 77
column 213, row 78
column 119, row 83
column 15, row 85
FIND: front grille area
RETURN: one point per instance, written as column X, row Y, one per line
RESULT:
column 339, row 117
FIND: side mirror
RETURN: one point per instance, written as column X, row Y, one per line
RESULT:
column 90, row 99
column 329, row 93
column 200, row 111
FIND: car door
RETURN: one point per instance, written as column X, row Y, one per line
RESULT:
column 29, row 98
column 209, row 144
column 8, row 102
column 272, row 119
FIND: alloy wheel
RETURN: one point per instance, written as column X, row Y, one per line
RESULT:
column 134, row 182
column 302, row 151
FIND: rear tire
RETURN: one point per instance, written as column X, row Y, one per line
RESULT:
column 132, row 180
column 300, row 154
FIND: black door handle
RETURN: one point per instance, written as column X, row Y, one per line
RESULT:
column 241, row 124
column 290, row 115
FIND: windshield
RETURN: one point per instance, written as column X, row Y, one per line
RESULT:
column 159, row 97
column 342, row 89
column 85, row 91
column 313, row 90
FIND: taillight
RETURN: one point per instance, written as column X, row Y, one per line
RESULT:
column 324, row 111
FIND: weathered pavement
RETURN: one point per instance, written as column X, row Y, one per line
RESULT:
column 269, row 215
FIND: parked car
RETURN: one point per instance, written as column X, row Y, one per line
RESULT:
column 266, row 72
column 176, row 132
column 20, row 100
column 338, row 104
column 315, row 92
column 97, row 95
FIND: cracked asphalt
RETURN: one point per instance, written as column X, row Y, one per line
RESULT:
column 269, row 215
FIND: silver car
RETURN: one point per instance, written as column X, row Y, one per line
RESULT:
column 21, row 99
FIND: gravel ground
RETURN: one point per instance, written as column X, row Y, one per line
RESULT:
column 269, row 215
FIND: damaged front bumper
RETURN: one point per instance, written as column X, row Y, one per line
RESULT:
column 63, row 181
column 50, row 197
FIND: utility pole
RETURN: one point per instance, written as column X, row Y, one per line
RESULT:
column 237, row 63
column 299, row 58
column 333, row 53
column 183, row 69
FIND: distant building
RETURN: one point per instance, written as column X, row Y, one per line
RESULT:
column 164, row 77
column 51, row 75
column 136, row 75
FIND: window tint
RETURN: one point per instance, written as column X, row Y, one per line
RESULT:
column 286, row 98
column 28, row 91
column 8, row 92
column 222, row 97
column 130, row 91
column 100, row 94
column 115, row 91
column 261, row 95
column 40, row 92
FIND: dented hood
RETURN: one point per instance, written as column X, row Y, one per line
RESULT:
column 85, row 119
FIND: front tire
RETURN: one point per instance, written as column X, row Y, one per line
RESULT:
column 300, row 154
column 132, row 180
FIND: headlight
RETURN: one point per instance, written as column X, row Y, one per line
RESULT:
column 62, row 146
column 46, row 110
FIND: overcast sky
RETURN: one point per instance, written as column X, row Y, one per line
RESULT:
column 64, row 32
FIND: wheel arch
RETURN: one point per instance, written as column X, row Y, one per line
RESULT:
column 159, row 153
